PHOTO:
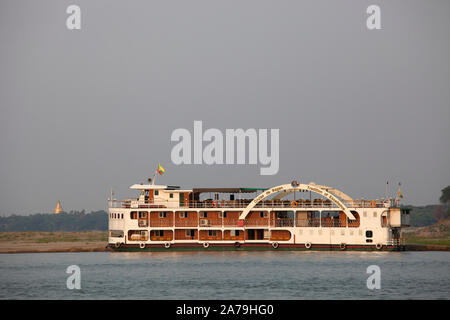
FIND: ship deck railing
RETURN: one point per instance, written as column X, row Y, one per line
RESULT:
column 266, row 223
column 397, row 242
column 241, row 204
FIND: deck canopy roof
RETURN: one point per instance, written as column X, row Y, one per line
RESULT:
column 147, row 187
column 227, row 190
column 195, row 190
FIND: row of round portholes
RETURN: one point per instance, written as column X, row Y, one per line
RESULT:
column 275, row 245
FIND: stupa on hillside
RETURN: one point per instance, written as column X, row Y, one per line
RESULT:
column 58, row 208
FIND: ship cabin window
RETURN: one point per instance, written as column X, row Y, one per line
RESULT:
column 282, row 215
column 234, row 233
column 369, row 235
column 156, row 192
column 159, row 233
column 116, row 233
column 133, row 215
column 122, row 216
column 384, row 221
column 212, row 233
column 405, row 211
column 183, row 214
column 142, row 215
column 223, row 214
column 263, row 214
column 170, row 195
column 190, row 233
column 203, row 214
column 137, row 235
column 163, row 214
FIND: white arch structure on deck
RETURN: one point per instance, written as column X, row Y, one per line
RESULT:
column 292, row 188
column 334, row 191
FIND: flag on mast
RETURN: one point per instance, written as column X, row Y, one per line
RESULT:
column 400, row 194
column 160, row 169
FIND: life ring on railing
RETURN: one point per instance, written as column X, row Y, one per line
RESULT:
column 237, row 244
column 167, row 245
column 117, row 244
column 308, row 245
column 275, row 245
column 372, row 204
column 214, row 204
column 378, row 246
column 342, row 246
column 142, row 245
column 205, row 245
column 294, row 204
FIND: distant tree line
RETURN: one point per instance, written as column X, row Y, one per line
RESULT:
column 445, row 197
column 423, row 216
column 72, row 221
column 442, row 212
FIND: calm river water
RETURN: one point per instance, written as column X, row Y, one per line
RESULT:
column 226, row 275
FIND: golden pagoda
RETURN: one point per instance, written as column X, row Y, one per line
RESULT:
column 58, row 208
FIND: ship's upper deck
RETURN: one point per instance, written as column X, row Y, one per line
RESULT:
column 172, row 197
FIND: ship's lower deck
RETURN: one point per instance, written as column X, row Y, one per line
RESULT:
column 262, row 246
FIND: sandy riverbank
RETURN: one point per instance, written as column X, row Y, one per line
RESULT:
column 28, row 242
column 52, row 247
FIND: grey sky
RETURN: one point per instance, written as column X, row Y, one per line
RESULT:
column 83, row 111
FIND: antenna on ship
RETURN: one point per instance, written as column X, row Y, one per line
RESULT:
column 386, row 196
column 111, row 198
column 154, row 178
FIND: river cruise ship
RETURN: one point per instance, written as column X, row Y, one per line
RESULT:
column 291, row 216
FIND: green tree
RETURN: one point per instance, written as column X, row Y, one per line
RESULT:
column 445, row 197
